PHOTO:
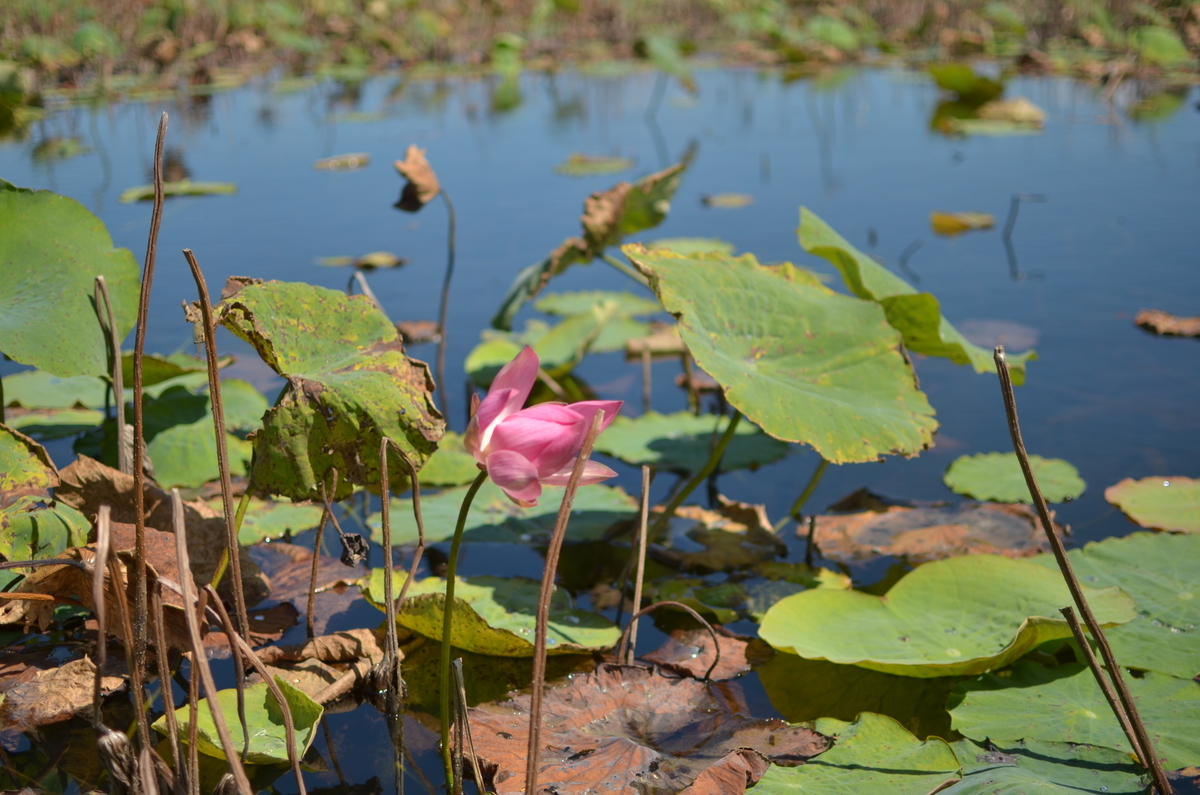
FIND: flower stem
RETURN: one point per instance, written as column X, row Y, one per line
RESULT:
column 711, row 464
column 448, row 627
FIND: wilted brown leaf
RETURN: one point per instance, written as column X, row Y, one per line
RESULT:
column 733, row 774
column 289, row 568
column 87, row 484
column 690, row 652
column 55, row 695
column 422, row 186
column 1017, row 110
column 414, row 332
column 628, row 728
column 602, row 216
column 728, row 544
column 347, row 646
column 1165, row 323
column 930, row 533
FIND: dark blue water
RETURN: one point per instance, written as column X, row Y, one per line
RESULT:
column 1115, row 234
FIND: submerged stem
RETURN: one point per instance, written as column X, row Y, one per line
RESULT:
column 813, row 482
column 441, row 349
column 709, row 466
column 448, row 627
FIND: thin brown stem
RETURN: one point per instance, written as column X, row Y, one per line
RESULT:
column 543, row 610
column 467, row 743
column 139, row 500
column 1144, row 747
column 1105, row 686
column 643, row 525
column 689, row 374
column 810, row 548
column 103, row 534
column 391, row 652
column 419, row 552
column 241, row 648
column 712, row 632
column 108, row 323
column 164, row 677
column 218, row 412
column 445, row 305
column 199, row 660
column 310, row 617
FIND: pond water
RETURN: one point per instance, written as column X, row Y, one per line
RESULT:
column 1115, row 234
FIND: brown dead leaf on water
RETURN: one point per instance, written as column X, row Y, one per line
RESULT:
column 602, row 216
column 57, row 694
column 422, row 186
column 289, row 568
column 951, row 224
column 625, row 728
column 690, row 652
column 737, row 536
column 1167, row 324
column 345, row 646
column 930, row 533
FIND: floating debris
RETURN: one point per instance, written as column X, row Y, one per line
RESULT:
column 350, row 162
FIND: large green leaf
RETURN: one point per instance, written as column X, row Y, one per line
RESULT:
column 1041, row 768
column 496, row 615
column 264, row 718
column 998, row 477
column 51, row 251
column 450, row 465
column 349, row 384
column 559, row 347
column 267, row 520
column 493, row 517
column 681, row 442
column 918, row 316
column 37, row 389
column 872, row 754
column 578, row 302
column 608, row 217
column 1065, row 704
column 1163, row 503
column 185, row 455
column 24, row 464
column 957, row 616
column 803, row 362
column 47, row 424
column 1159, row 572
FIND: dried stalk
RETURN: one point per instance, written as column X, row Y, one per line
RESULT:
column 241, row 648
column 326, row 513
column 103, row 536
column 643, row 517
column 712, row 632
column 1144, row 747
column 139, row 506
column 543, row 611
column 108, row 324
column 164, row 677
column 199, row 660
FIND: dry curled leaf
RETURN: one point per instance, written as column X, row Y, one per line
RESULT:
column 339, row 647
column 690, row 652
column 628, row 728
column 1165, row 323
column 422, row 186
column 930, row 533
column 55, row 695
column 733, row 774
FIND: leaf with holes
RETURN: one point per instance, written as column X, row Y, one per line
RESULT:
column 803, row 362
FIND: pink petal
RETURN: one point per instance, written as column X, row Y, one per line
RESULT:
column 519, row 374
column 547, row 435
column 515, row 475
column 593, row 472
column 498, row 405
column 588, row 408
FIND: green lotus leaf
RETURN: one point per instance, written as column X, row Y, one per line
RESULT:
column 450, row 465
column 958, row 616
column 1041, row 768
column 47, row 424
column 998, row 477
column 495, row 518
column 38, row 389
column 1161, row 45
column 51, row 251
column 183, row 187
column 157, row 368
column 349, row 385
column 1162, row 503
column 267, row 520
column 581, row 165
column 681, row 442
column 24, row 464
column 1159, row 572
column 243, row 404
column 578, row 302
column 1065, row 704
column 803, row 362
column 872, row 754
column 264, row 719
column 559, row 347
column 185, row 455
column 918, row 316
column 664, row 53
column 496, row 615
column 692, row 245
column 962, row 80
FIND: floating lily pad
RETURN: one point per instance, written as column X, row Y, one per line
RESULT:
column 950, row 224
column 367, row 262
column 873, row 754
column 922, row 534
column 51, row 251
column 186, row 455
column 264, row 718
column 494, row 518
column 450, row 465
column 157, row 368
column 998, row 477
column 1159, row 572
column 575, row 303
column 350, row 162
column 1162, row 503
column 267, row 520
column 559, row 347
column 967, row 85
column 958, row 616
column 349, row 384
column 727, row 201
column 1041, row 768
column 496, row 615
column 681, row 442
column 918, row 316
column 692, row 245
column 1065, row 704
column 183, row 187
column 243, row 404
column 581, row 165
column 47, row 424
column 38, row 389
column 803, row 362
column 804, row 690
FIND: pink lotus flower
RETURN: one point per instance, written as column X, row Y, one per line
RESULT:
column 525, row 449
